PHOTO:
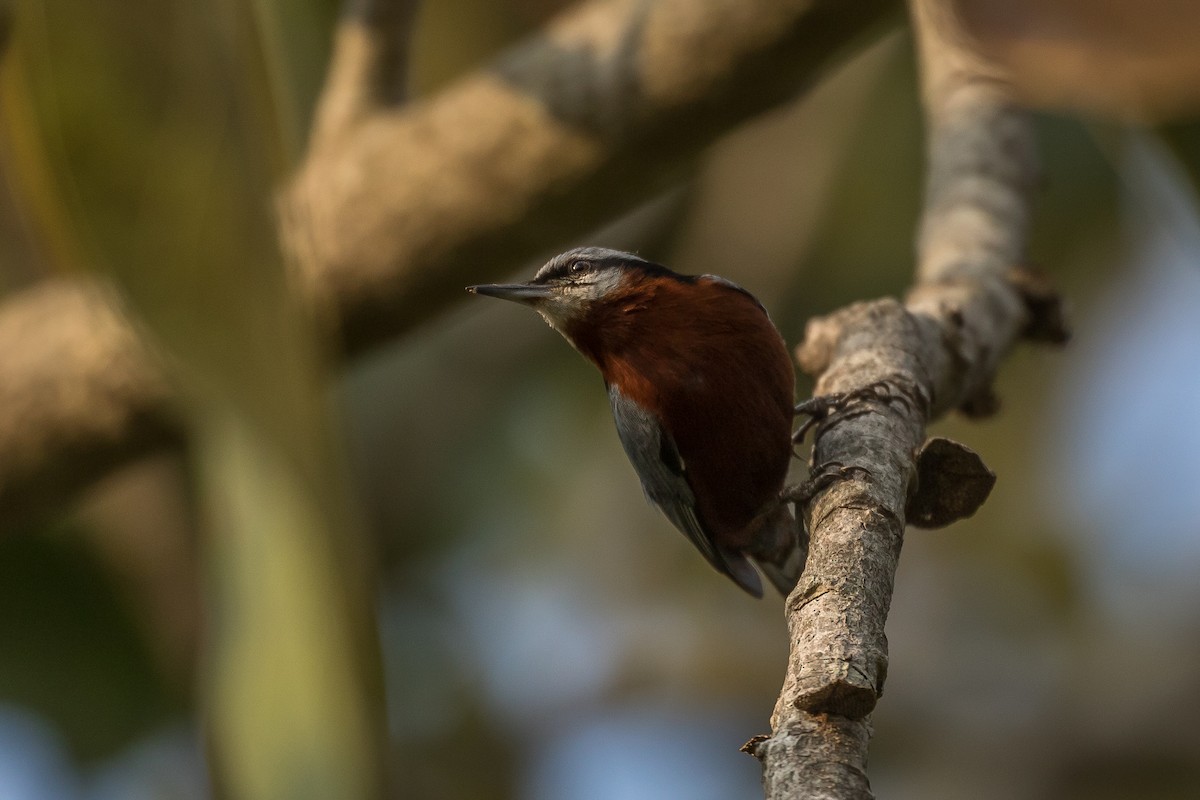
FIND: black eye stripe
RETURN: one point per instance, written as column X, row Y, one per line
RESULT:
column 586, row 264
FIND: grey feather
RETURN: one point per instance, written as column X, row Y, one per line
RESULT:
column 664, row 480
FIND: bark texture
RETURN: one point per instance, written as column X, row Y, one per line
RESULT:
column 395, row 208
column 820, row 757
column 892, row 367
column 79, row 395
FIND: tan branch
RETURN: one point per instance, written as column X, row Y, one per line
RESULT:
column 598, row 113
column 368, row 70
column 896, row 366
column 396, row 208
column 79, row 394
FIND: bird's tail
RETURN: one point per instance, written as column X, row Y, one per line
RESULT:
column 780, row 549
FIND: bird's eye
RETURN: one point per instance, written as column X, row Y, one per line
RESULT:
column 581, row 266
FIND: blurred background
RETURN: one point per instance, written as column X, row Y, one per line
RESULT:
column 532, row 610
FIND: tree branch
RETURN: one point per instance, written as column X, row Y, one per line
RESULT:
column 395, row 209
column 79, row 396
column 598, row 113
column 892, row 368
column 368, row 70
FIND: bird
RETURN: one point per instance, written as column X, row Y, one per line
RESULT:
column 702, row 390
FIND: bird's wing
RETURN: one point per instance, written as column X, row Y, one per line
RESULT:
column 664, row 480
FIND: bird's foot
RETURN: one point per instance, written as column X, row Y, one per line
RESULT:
column 822, row 407
column 819, row 479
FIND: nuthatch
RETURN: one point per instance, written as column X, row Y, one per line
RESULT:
column 701, row 387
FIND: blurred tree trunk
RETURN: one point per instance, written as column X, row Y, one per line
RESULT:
column 290, row 681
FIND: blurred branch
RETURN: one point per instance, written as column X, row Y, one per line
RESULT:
column 887, row 368
column 596, row 114
column 79, row 394
column 369, row 68
column 581, row 122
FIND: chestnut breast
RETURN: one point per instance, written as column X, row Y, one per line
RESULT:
column 702, row 356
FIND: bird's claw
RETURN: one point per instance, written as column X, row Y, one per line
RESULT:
column 822, row 407
column 816, row 409
column 819, row 479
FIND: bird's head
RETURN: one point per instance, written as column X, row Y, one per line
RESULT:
column 574, row 283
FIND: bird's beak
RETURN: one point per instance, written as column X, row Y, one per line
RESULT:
column 517, row 292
